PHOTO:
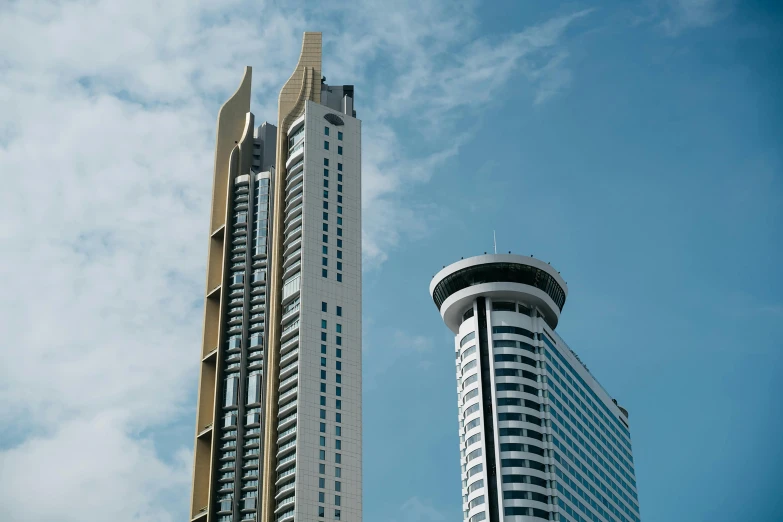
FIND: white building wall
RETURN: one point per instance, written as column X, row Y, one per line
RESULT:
column 315, row 290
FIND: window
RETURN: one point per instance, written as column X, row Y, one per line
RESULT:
column 338, row 431
column 323, row 414
column 326, row 130
column 321, row 495
column 339, row 135
column 338, row 353
column 338, row 366
column 320, row 511
column 322, row 468
column 339, row 198
column 325, row 250
column 338, row 444
column 324, row 261
column 339, row 166
column 323, row 400
column 338, row 458
column 504, row 307
column 326, row 185
column 339, row 265
column 325, row 238
column 323, row 374
column 321, row 482
column 338, row 404
column 339, row 149
column 326, row 162
column 339, row 311
column 338, row 417
column 324, row 272
column 337, row 500
column 322, row 440
column 339, row 340
column 326, row 173
column 339, row 188
column 467, row 338
column 326, row 205
column 512, row 330
column 326, row 145
column 325, row 216
column 323, row 304
column 322, row 427
column 338, row 391
column 323, row 387
column 339, row 378
column 339, row 209
column 340, row 252
column 323, row 361
column 323, row 349
column 323, row 336
column 323, row 323
column 321, row 454
column 338, row 472
column 339, row 231
column 326, row 193
column 340, row 177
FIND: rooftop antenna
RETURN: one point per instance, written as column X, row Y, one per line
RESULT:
column 495, row 241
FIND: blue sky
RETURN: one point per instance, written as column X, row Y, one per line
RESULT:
column 634, row 145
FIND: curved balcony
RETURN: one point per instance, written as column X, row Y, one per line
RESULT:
column 295, row 153
column 292, row 392
column 286, row 435
column 288, row 357
column 292, row 342
column 289, row 270
column 292, row 234
column 285, row 487
column 285, row 517
column 287, row 407
column 288, row 370
column 294, row 177
column 292, row 192
column 290, row 381
column 286, row 460
column 296, row 254
column 287, row 473
column 285, row 448
column 292, row 223
column 294, row 245
column 292, row 211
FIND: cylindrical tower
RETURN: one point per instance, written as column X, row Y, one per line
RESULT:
column 498, row 307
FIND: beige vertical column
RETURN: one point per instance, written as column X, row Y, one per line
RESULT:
column 304, row 84
column 230, row 126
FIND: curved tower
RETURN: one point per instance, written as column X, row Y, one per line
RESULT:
column 540, row 439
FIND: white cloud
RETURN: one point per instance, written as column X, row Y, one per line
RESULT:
column 106, row 155
column 680, row 15
column 416, row 509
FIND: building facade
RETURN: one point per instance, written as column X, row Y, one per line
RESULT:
column 539, row 437
column 278, row 434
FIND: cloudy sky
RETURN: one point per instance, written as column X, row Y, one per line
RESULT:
column 634, row 145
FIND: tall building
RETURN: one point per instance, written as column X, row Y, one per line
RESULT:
column 278, row 423
column 539, row 437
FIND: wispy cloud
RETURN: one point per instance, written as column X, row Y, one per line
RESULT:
column 106, row 153
column 679, row 15
column 416, row 509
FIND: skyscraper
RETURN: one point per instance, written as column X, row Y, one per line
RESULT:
column 539, row 437
column 278, row 429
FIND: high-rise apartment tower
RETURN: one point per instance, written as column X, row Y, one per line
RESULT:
column 278, row 428
column 539, row 437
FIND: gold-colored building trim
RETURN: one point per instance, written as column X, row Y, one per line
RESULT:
column 304, row 84
column 231, row 128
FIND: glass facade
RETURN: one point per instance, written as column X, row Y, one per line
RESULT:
column 242, row 366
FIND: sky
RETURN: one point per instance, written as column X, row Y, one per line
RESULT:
column 634, row 145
